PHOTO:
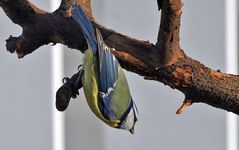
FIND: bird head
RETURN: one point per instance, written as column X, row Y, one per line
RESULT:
column 131, row 118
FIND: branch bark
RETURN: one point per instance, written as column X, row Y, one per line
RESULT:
column 164, row 61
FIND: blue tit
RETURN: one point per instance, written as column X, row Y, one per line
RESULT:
column 104, row 82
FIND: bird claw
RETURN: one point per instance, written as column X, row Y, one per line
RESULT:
column 65, row 79
column 76, row 83
column 80, row 66
column 74, row 95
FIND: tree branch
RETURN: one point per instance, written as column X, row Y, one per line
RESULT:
column 168, row 46
column 20, row 12
column 164, row 61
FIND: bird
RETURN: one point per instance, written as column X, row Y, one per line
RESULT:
column 104, row 83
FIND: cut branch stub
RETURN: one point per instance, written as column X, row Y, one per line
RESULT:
column 186, row 103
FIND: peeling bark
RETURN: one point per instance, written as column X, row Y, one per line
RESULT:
column 164, row 61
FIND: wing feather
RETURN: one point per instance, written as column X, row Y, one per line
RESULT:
column 108, row 65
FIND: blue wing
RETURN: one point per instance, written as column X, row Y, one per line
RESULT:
column 86, row 26
column 108, row 68
column 108, row 65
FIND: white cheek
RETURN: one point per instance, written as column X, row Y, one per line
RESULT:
column 129, row 123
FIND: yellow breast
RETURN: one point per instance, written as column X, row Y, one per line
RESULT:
column 91, row 86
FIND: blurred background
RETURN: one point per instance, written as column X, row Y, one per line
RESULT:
column 26, row 120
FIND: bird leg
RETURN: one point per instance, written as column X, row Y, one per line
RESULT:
column 69, row 90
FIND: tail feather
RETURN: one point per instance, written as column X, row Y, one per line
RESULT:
column 88, row 30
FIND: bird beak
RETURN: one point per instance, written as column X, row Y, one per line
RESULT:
column 131, row 130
